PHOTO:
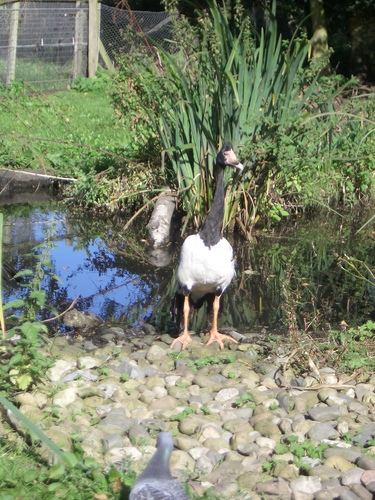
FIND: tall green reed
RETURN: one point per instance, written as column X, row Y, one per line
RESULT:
column 231, row 86
column 222, row 80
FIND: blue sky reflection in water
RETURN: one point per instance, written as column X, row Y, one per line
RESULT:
column 87, row 268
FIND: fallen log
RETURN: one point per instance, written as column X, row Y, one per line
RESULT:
column 18, row 185
column 20, row 176
column 159, row 227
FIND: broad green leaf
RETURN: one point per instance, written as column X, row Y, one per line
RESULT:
column 70, row 459
column 57, row 471
column 23, row 381
column 25, row 272
column 14, row 304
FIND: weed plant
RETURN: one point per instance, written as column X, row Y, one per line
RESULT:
column 299, row 451
column 22, row 364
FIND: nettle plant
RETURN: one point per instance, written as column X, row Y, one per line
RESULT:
column 22, row 364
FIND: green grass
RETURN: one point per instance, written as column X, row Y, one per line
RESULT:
column 24, row 475
column 77, row 134
column 64, row 132
column 42, row 75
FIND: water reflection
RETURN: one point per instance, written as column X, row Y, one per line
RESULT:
column 106, row 278
column 294, row 275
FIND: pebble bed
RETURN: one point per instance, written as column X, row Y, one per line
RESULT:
column 229, row 417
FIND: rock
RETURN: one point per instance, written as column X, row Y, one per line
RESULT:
column 207, row 383
column 324, row 472
column 89, row 391
column 368, row 476
column 108, row 388
column 203, row 466
column 226, row 489
column 163, row 403
column 367, row 434
column 302, row 425
column 306, row 484
column 352, row 476
column 60, row 437
column 191, row 424
column 116, row 422
column 327, row 413
column 248, row 481
column 286, row 471
column 338, row 462
column 112, row 441
column 155, row 382
column 138, row 435
column 324, row 394
column 187, row 444
column 179, row 393
column 60, row 370
column 366, row 463
column 358, row 408
column 225, row 442
column 277, row 488
column 134, row 371
column 81, row 375
column 217, row 444
column 331, row 488
column 351, row 454
column 362, row 389
column 322, row 431
column 237, row 425
column 87, row 362
column 182, row 461
column 224, row 470
column 349, row 495
column 361, row 492
column 65, row 397
column 33, row 413
column 227, row 394
column 81, row 320
column 267, row 428
column 155, row 353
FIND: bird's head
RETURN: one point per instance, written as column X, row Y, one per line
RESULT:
column 226, row 157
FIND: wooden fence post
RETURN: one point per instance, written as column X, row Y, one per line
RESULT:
column 12, row 43
column 93, row 38
column 78, row 68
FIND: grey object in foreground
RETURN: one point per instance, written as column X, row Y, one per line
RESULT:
column 156, row 481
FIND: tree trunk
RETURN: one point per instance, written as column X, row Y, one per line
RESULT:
column 319, row 28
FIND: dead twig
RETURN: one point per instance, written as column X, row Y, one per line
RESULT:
column 61, row 314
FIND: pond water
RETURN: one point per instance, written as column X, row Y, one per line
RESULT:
column 315, row 272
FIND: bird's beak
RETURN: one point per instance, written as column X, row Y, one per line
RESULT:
column 231, row 160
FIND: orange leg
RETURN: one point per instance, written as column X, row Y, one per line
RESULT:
column 185, row 337
column 215, row 336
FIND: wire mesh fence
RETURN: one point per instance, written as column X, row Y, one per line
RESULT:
column 45, row 44
column 122, row 31
column 42, row 44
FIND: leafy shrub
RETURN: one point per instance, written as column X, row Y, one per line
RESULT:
column 223, row 83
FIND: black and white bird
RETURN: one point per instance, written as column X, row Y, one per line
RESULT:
column 156, row 481
column 206, row 265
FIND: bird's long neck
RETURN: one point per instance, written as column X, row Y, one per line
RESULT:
column 158, row 466
column 211, row 230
